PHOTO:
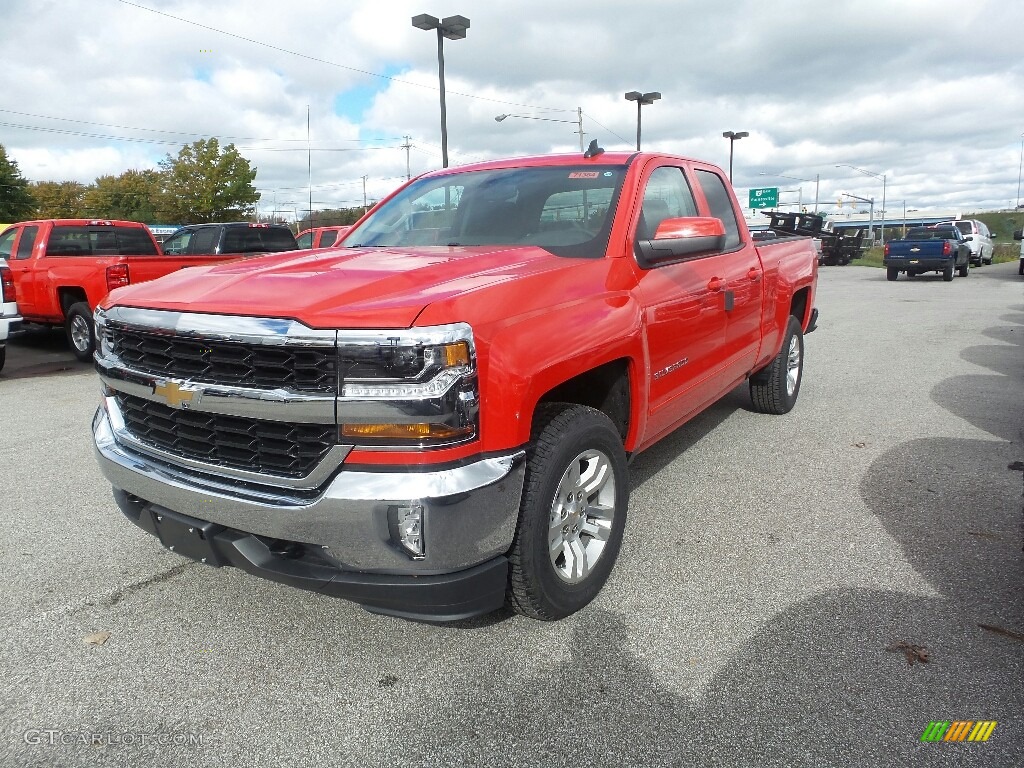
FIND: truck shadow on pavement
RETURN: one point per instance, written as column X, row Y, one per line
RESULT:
column 817, row 684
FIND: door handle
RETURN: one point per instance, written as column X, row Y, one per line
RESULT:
column 754, row 275
column 716, row 284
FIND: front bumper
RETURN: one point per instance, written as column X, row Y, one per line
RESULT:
column 340, row 537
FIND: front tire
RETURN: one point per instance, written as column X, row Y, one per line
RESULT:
column 80, row 333
column 776, row 388
column 891, row 273
column 572, row 515
column 3, row 357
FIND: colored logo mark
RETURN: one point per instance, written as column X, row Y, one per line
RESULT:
column 958, row 730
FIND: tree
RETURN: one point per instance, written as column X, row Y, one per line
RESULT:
column 134, row 196
column 331, row 217
column 59, row 199
column 204, row 184
column 16, row 203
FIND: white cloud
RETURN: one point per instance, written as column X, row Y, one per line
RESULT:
column 928, row 93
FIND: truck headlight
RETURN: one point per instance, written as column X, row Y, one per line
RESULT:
column 408, row 388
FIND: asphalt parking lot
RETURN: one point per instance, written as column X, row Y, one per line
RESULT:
column 771, row 570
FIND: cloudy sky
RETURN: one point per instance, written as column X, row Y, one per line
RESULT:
column 929, row 93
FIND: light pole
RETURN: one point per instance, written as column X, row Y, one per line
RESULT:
column 881, row 215
column 641, row 99
column 454, row 28
column 1019, row 167
column 816, row 180
column 577, row 122
column 733, row 137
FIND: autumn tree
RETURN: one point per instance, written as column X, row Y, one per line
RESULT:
column 16, row 203
column 59, row 199
column 205, row 183
column 133, row 196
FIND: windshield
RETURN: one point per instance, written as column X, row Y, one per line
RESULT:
column 566, row 210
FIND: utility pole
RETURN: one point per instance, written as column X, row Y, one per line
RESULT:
column 309, row 168
column 407, row 146
column 579, row 120
column 364, row 193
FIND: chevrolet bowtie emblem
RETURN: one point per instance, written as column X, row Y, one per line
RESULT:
column 174, row 394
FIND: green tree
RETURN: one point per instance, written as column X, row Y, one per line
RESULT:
column 134, row 196
column 16, row 203
column 59, row 199
column 204, row 183
column 331, row 217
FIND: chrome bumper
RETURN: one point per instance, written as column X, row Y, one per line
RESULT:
column 470, row 511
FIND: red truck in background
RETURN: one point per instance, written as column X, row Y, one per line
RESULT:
column 62, row 268
column 320, row 237
column 436, row 419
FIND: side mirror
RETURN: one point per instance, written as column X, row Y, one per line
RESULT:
column 676, row 239
column 968, row 237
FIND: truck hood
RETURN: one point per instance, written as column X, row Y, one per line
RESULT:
column 342, row 288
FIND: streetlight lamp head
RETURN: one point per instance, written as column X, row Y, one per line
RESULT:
column 454, row 27
column 633, row 95
column 734, row 135
column 426, row 21
column 499, row 118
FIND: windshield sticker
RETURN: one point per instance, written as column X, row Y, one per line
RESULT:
column 584, row 175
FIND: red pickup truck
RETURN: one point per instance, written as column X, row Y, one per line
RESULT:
column 63, row 267
column 436, row 419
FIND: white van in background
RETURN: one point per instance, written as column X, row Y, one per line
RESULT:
column 978, row 237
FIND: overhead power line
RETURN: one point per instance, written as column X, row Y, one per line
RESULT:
column 318, row 60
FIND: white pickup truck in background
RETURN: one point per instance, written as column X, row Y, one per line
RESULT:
column 9, row 317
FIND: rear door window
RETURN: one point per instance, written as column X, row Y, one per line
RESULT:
column 327, row 238
column 204, row 240
column 28, row 240
column 720, row 204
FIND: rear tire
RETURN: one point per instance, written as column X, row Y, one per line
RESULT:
column 947, row 274
column 776, row 388
column 3, row 357
column 965, row 270
column 891, row 273
column 79, row 329
column 572, row 515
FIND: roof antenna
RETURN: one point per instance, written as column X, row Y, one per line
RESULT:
column 593, row 150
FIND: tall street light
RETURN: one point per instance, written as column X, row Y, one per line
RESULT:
column 454, row 28
column 881, row 176
column 733, row 137
column 1020, row 167
column 641, row 99
column 816, row 180
column 577, row 122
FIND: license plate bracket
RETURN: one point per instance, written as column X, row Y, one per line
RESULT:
column 187, row 536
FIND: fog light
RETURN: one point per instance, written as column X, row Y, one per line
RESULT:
column 410, row 529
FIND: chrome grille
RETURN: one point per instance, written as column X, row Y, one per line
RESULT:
column 300, row 369
column 254, row 445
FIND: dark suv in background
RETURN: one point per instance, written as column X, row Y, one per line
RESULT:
column 239, row 237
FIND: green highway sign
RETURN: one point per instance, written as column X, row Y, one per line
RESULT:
column 767, row 197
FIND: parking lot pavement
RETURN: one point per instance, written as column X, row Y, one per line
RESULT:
column 778, row 577
column 36, row 350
